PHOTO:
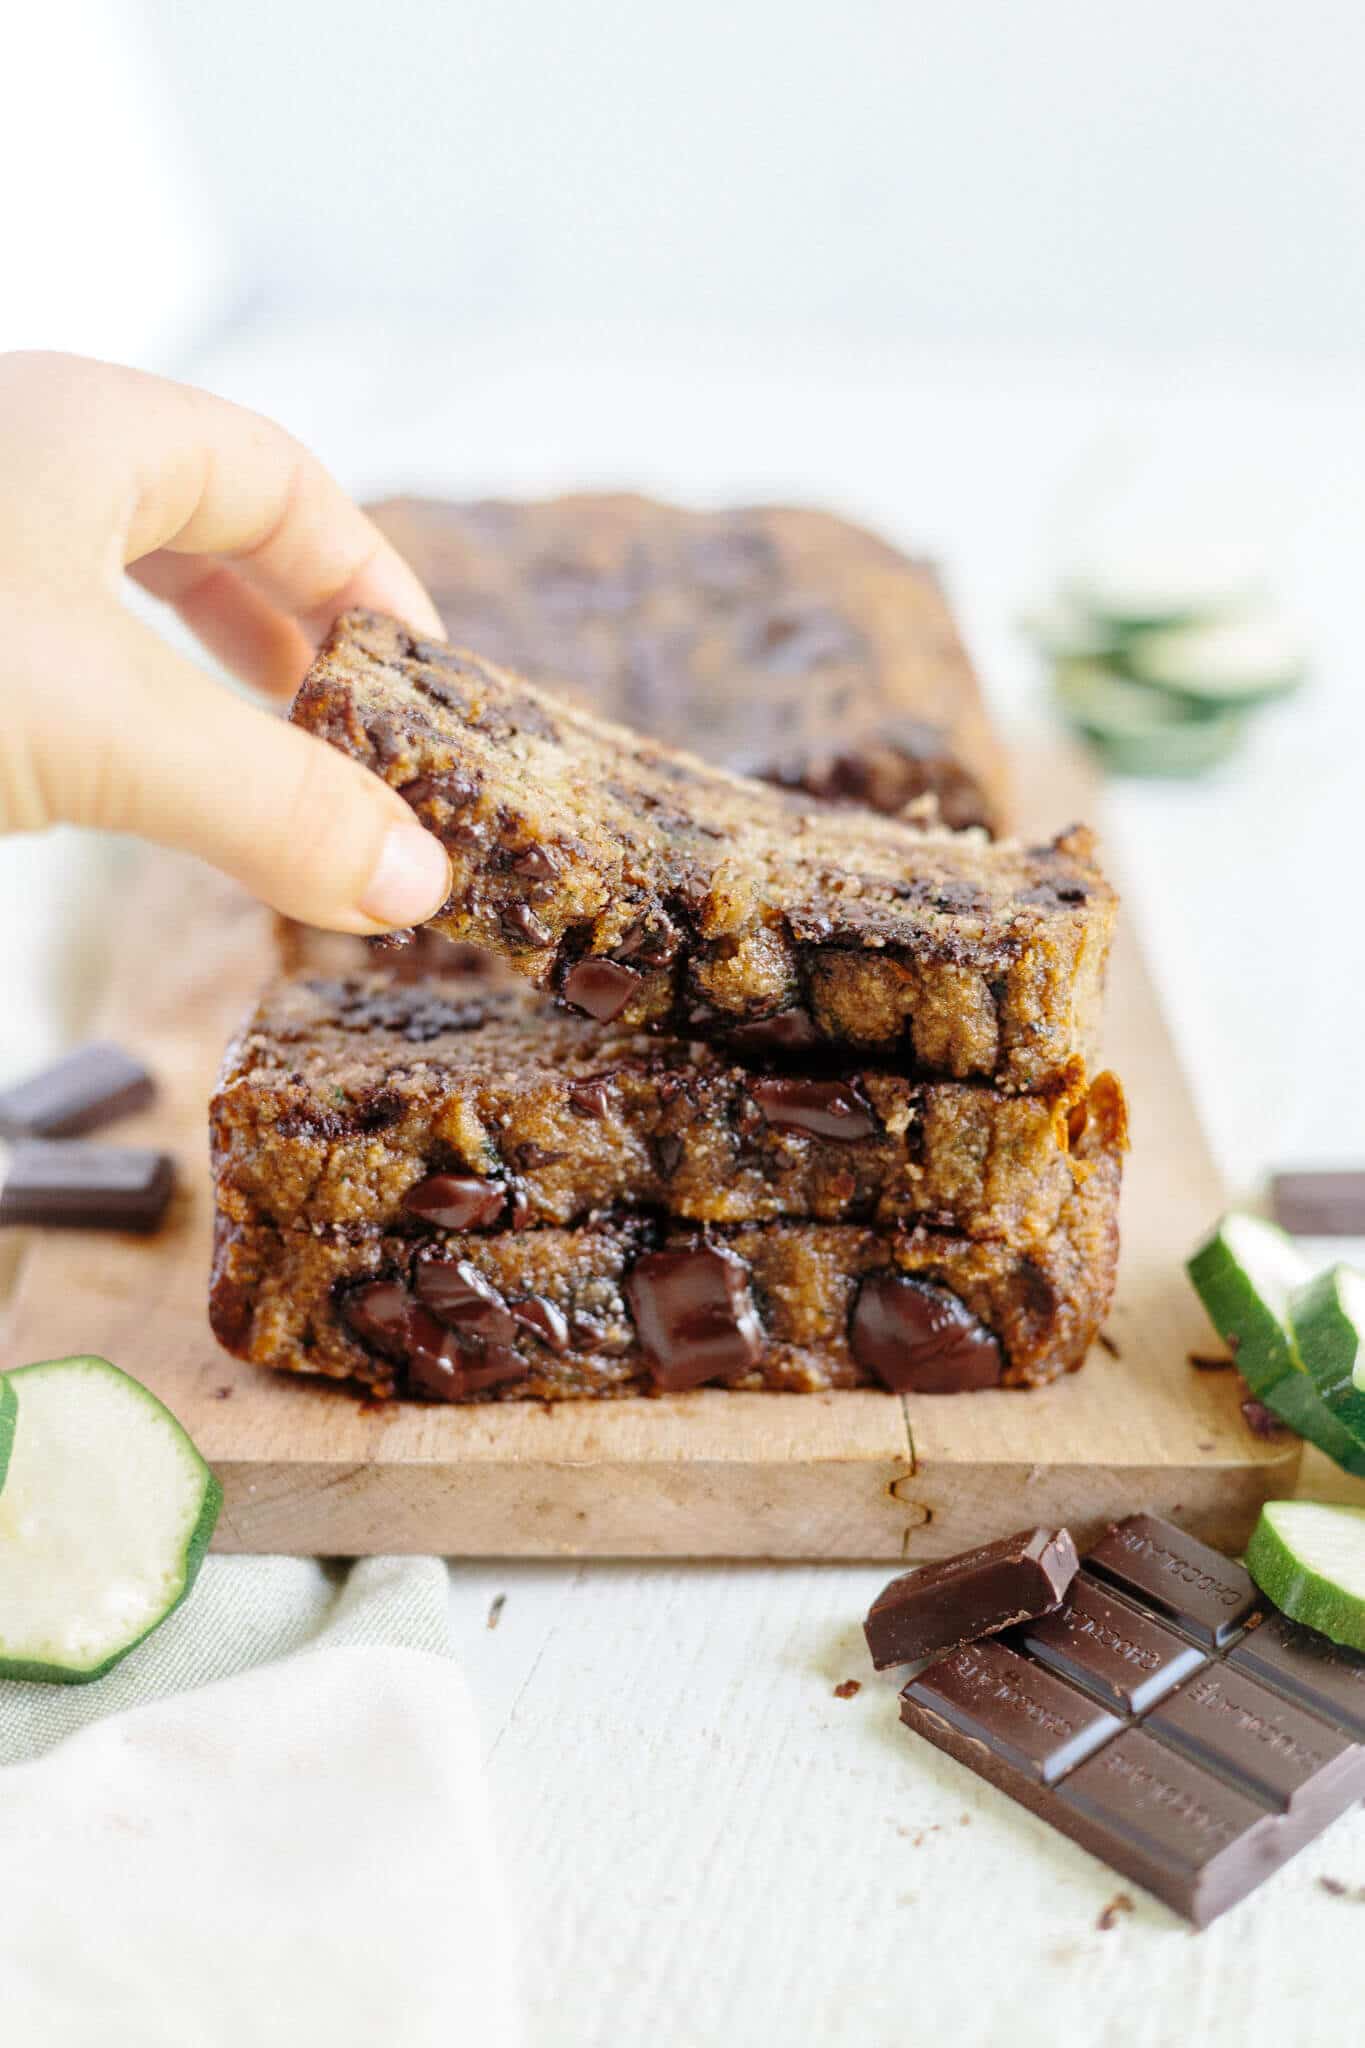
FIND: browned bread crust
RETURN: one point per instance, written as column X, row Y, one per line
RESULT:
column 642, row 884
column 342, row 1100
column 783, row 643
column 562, row 1306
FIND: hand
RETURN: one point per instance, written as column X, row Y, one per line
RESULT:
column 217, row 511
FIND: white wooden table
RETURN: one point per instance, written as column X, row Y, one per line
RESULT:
column 707, row 1846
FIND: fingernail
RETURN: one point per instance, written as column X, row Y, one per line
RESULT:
column 411, row 879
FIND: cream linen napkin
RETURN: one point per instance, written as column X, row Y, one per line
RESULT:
column 267, row 1826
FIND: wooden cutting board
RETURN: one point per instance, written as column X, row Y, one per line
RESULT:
column 306, row 1469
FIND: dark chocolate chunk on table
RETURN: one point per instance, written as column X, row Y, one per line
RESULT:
column 1321, row 1203
column 94, row 1187
column 89, row 1087
column 1162, row 1718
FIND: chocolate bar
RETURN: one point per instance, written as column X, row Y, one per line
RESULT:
column 92, row 1187
column 960, row 1599
column 90, row 1087
column 1162, row 1717
column 1319, row 1204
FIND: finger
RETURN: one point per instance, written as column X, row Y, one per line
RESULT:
column 234, row 622
column 161, row 465
column 167, row 755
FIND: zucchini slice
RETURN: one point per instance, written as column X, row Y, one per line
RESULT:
column 1245, row 1273
column 1140, row 730
column 105, row 1515
column 1168, row 587
column 1327, row 1316
column 1238, row 661
column 1309, row 1559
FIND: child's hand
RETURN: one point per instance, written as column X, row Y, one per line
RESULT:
column 223, row 515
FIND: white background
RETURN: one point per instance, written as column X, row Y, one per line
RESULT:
column 974, row 274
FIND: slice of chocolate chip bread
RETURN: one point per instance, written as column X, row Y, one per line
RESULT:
column 783, row 643
column 642, row 884
column 366, row 1104
column 630, row 1304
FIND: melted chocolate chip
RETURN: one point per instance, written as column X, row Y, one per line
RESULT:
column 653, row 941
column 668, row 1152
column 695, row 1315
column 920, row 1339
column 600, row 988
column 378, row 1313
column 455, row 791
column 457, row 1201
column 543, row 1319
column 412, row 1012
column 590, row 1099
column 465, row 1301
column 444, row 1369
column 1056, row 895
column 789, row 1031
column 824, row 1109
column 520, row 922
column 792, row 643
column 538, row 864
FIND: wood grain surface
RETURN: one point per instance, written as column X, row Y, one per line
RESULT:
column 307, row 1469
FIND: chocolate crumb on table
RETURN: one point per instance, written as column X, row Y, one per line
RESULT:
column 1109, row 1917
column 1262, row 1421
column 785, row 643
column 642, row 885
column 848, row 1688
column 358, row 1104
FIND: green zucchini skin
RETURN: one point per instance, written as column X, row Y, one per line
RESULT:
column 196, row 1547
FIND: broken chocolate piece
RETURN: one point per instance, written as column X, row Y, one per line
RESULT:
column 789, row 1031
column 86, row 1187
column 87, row 1088
column 695, row 1315
column 600, row 988
column 444, row 1367
column 823, row 1109
column 379, row 1313
column 1230, row 1760
column 457, row 1201
column 457, row 1293
column 543, row 1319
column 961, row 1599
column 920, row 1339
column 590, row 1099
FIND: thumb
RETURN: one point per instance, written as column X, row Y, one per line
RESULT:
column 136, row 739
